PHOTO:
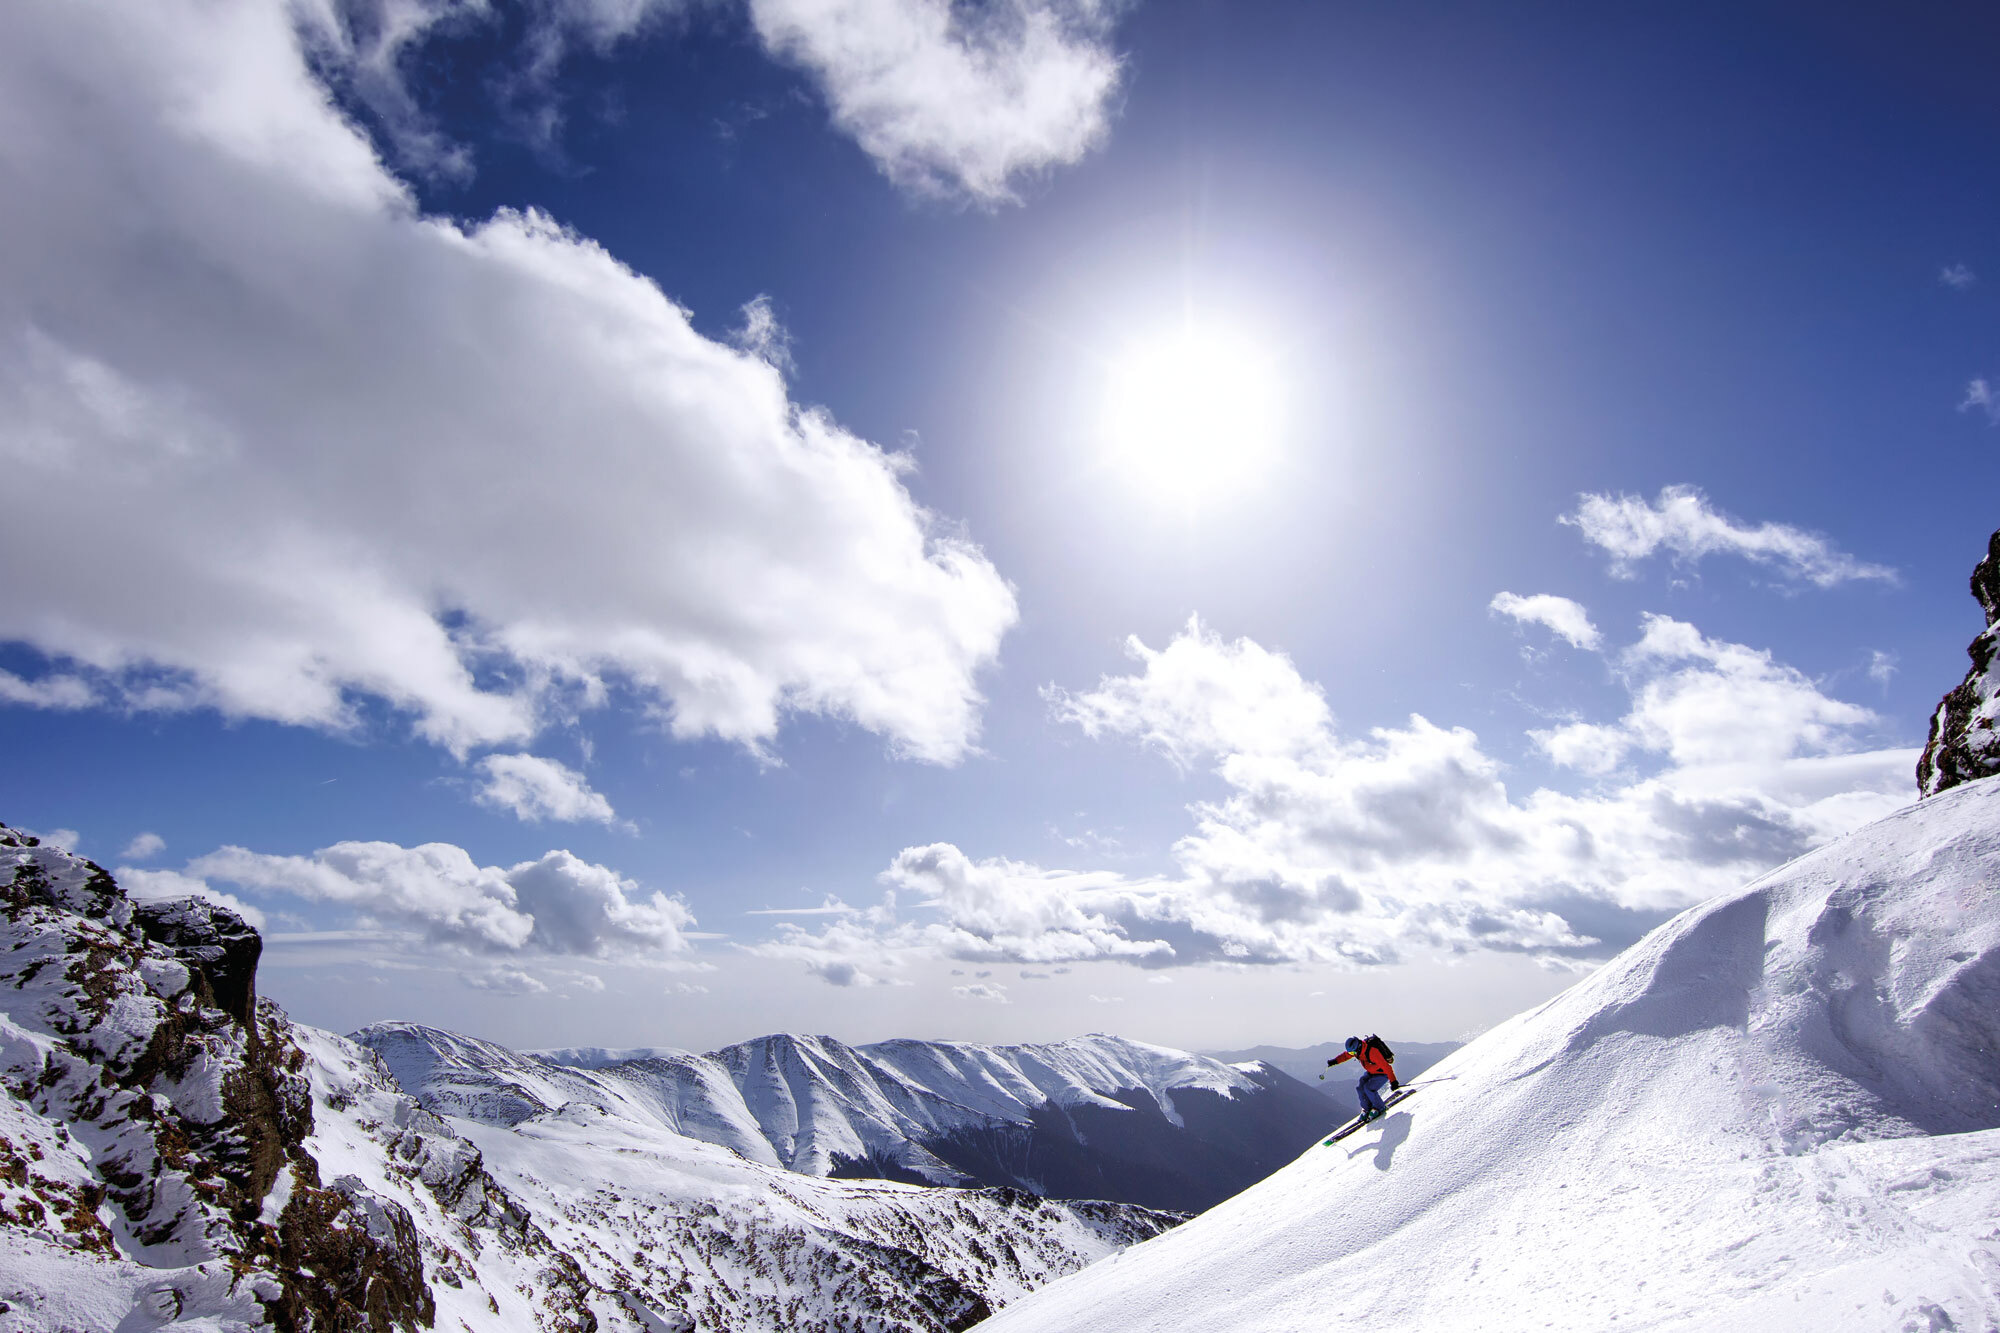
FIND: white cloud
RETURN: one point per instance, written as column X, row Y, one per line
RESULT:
column 536, row 789
column 1107, row 999
column 1200, row 696
column 335, row 450
column 955, row 98
column 1882, row 667
column 50, row 691
column 66, row 838
column 1568, row 619
column 988, row 991
column 1980, row 395
column 144, row 847
column 1683, row 524
column 947, row 98
column 556, row 905
column 1958, row 277
column 504, row 981
column 1328, row 849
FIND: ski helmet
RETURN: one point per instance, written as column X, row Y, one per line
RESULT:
column 1354, row 1045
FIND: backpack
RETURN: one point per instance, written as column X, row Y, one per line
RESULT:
column 1381, row 1046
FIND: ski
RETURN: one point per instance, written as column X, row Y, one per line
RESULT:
column 1356, row 1123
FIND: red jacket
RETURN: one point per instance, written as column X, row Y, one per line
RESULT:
column 1371, row 1060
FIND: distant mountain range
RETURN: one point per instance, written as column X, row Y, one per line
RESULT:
column 1096, row 1117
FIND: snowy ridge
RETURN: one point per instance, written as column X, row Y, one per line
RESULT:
column 1092, row 1117
column 1779, row 1110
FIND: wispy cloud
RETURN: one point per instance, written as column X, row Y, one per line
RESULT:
column 1566, row 618
column 958, row 100
column 1957, row 276
column 1981, row 396
column 1684, row 525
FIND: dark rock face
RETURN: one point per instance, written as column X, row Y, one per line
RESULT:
column 1964, row 743
column 214, row 942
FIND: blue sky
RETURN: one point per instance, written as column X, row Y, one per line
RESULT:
column 530, row 506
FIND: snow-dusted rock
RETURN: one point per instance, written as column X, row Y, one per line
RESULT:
column 1965, row 731
column 1781, row 1110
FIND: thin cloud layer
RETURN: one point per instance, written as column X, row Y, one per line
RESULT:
column 320, row 450
column 1682, row 524
column 559, row 904
column 534, row 789
column 1327, row 848
column 1566, row 618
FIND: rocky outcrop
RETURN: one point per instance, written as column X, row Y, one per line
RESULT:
column 1964, row 742
column 159, row 1148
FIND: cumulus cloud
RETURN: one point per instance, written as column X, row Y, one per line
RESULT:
column 983, row 990
column 337, row 451
column 955, row 98
column 1683, row 524
column 1566, row 618
column 1364, row 850
column 144, row 847
column 1201, row 696
column 536, row 789
column 556, row 905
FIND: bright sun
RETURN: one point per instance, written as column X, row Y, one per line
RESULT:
column 1192, row 414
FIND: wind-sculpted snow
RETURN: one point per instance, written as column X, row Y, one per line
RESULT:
column 1781, row 1110
column 175, row 1154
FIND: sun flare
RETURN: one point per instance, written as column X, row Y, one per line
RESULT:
column 1192, row 414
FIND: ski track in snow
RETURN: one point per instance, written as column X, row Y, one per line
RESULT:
column 1781, row 1110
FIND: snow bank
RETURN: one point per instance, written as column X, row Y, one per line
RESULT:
column 1779, row 1110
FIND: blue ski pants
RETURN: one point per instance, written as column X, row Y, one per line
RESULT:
column 1370, row 1087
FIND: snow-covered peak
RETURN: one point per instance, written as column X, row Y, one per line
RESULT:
column 952, row 1113
column 1779, row 1110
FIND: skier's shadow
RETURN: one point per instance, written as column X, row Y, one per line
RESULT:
column 1394, row 1130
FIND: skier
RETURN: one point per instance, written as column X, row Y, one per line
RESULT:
column 1377, row 1064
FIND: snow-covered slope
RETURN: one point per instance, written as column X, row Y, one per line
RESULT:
column 175, row 1154
column 1092, row 1117
column 1781, row 1110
